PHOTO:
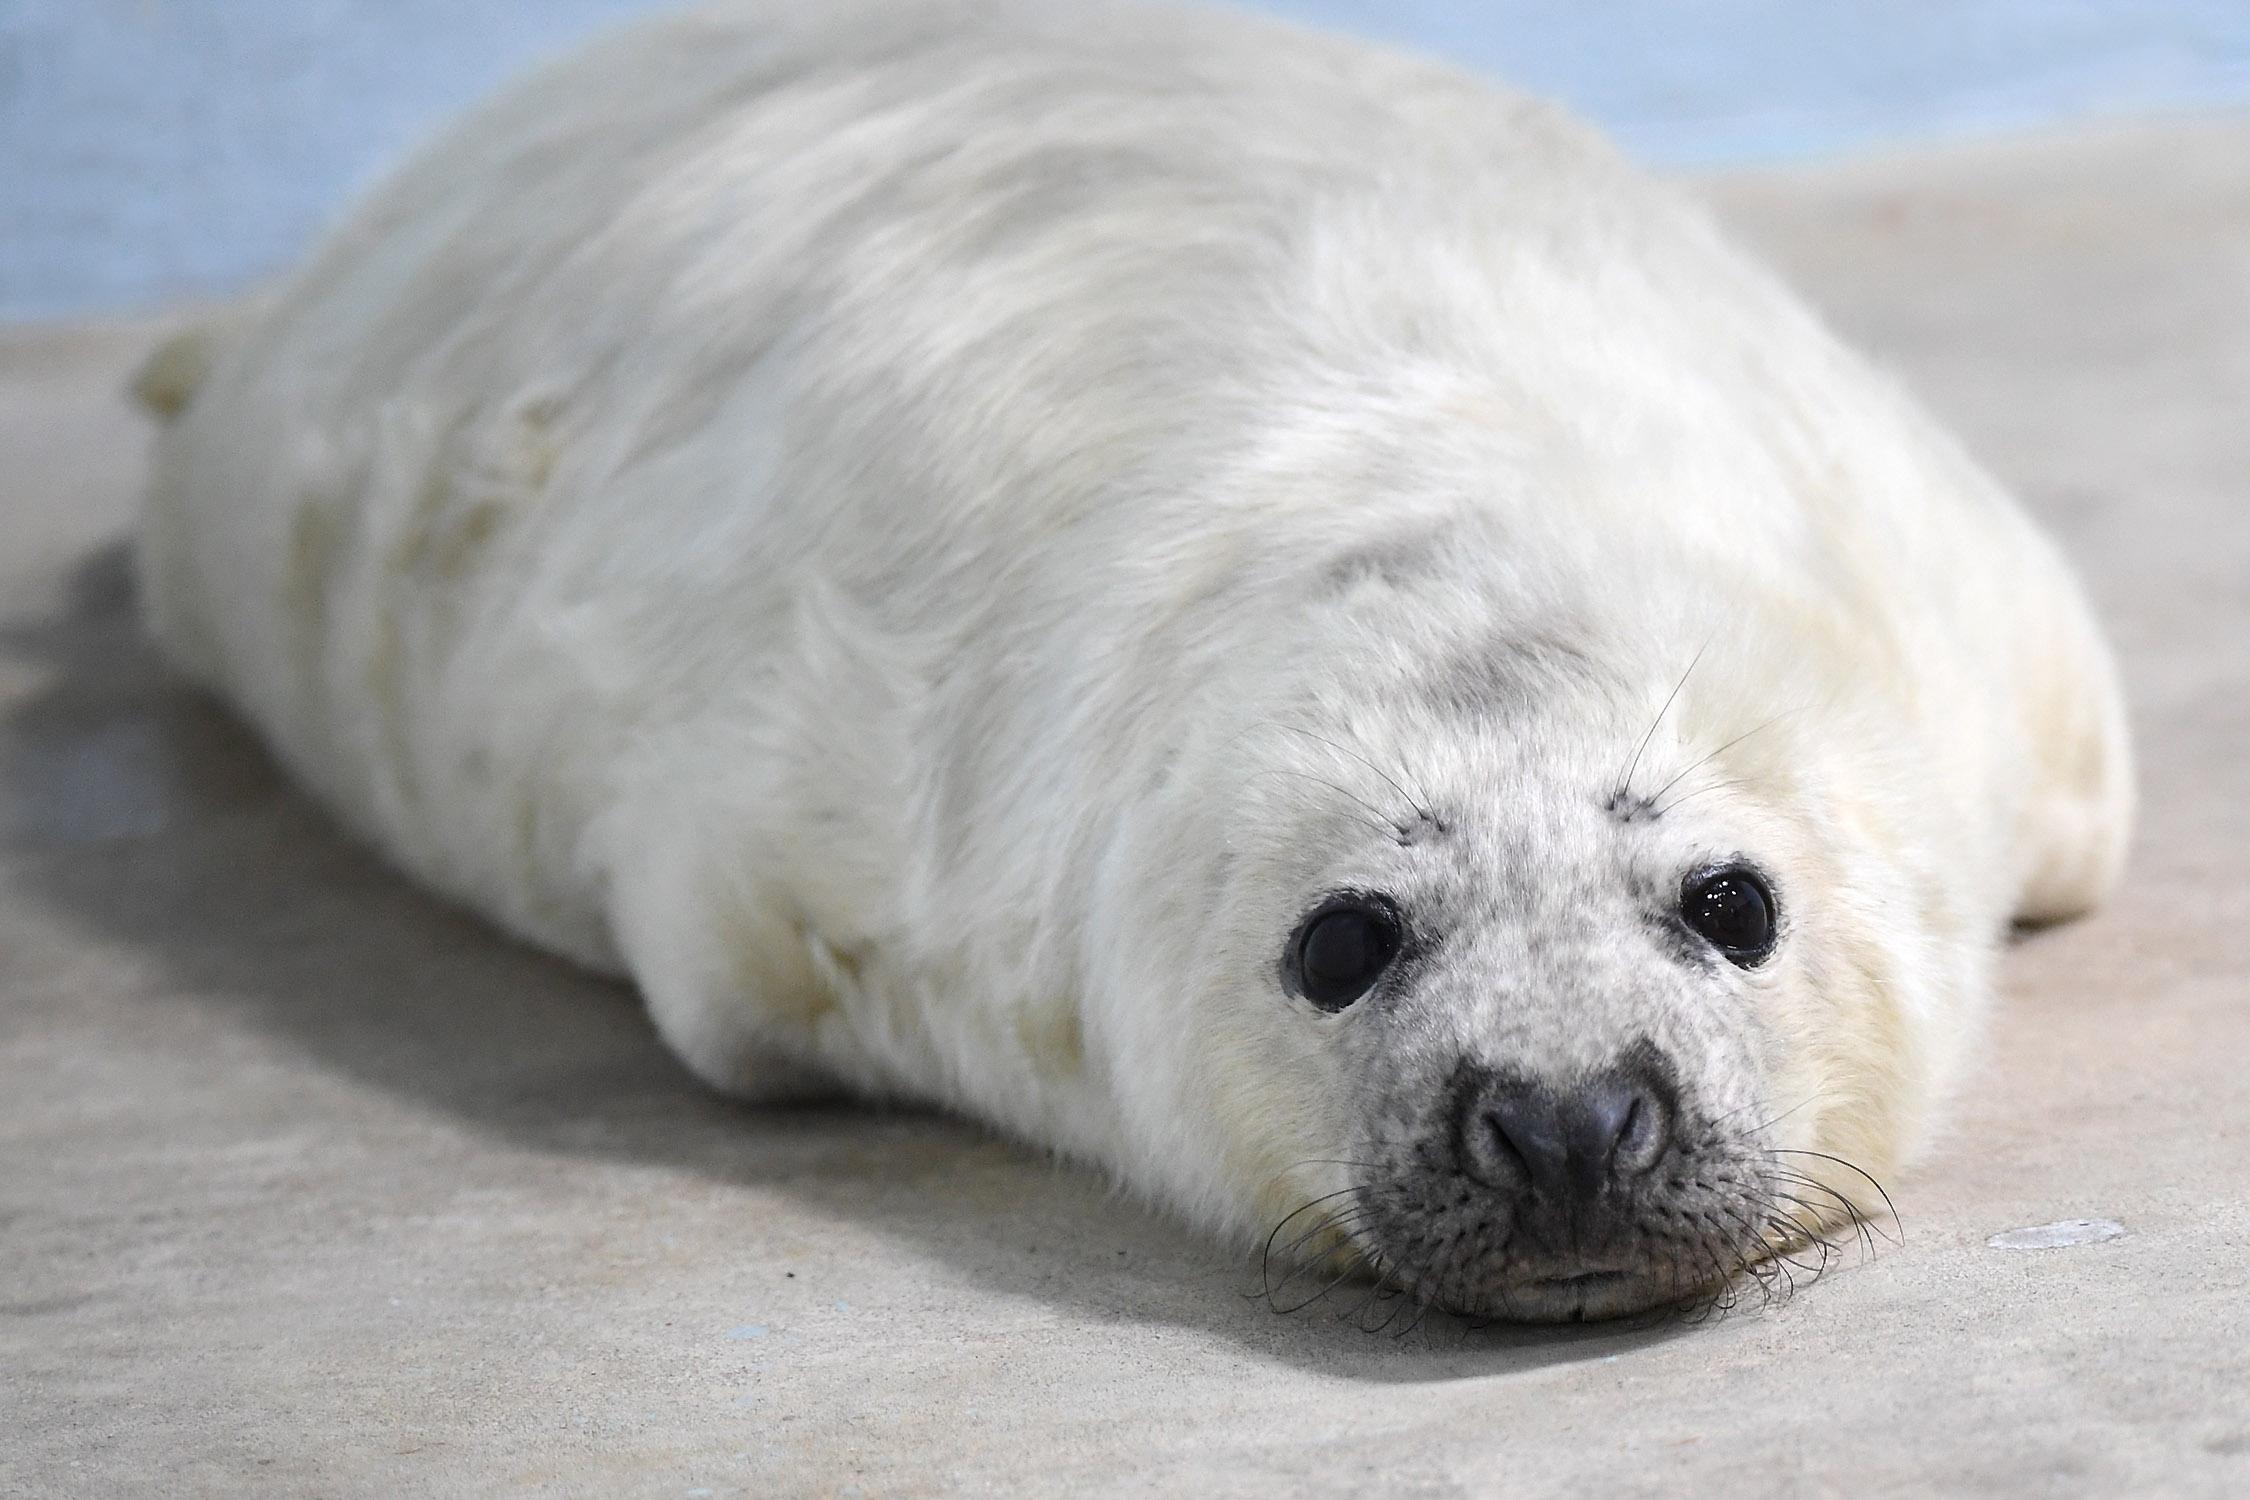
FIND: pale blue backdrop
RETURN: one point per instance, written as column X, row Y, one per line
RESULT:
column 153, row 149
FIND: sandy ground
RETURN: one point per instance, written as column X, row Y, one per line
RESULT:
column 309, row 1186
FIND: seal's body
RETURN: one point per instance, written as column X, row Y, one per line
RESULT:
column 1242, row 606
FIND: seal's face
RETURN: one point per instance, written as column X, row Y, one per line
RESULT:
column 1527, row 1162
column 1536, row 1040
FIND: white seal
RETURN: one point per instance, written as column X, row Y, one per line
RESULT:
column 1247, row 608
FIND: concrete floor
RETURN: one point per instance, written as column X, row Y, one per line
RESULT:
column 309, row 1186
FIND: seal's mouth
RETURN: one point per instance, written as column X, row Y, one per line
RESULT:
column 1583, row 1281
column 1600, row 1293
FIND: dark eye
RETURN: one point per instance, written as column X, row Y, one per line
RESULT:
column 1342, row 949
column 1732, row 910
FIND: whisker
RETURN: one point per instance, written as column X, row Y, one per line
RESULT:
column 1351, row 1268
column 1332, row 1223
column 1319, row 1293
column 1382, row 1288
column 1265, row 1256
column 1388, row 827
column 1817, row 1213
column 1625, row 782
column 1777, row 1257
column 1424, row 1311
column 1419, row 804
column 1859, row 1220
column 1852, row 1167
column 1658, row 795
column 1795, row 1236
column 1765, row 1125
column 1701, row 791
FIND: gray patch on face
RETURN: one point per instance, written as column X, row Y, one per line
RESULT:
column 1398, row 562
column 1508, row 675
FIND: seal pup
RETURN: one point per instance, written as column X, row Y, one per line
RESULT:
column 1248, row 608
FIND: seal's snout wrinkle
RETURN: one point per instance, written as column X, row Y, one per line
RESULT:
column 1149, row 577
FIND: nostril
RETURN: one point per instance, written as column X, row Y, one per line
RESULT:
column 1503, row 1146
column 1640, row 1134
column 1515, row 1138
column 1519, row 1146
column 1616, row 1130
column 1636, row 1117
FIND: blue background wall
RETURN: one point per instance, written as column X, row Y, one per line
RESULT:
column 152, row 149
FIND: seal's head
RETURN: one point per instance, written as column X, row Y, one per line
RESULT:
column 1541, row 980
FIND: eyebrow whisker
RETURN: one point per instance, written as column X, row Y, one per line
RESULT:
column 1625, row 781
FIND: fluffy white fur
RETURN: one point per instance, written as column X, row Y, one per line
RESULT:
column 922, row 533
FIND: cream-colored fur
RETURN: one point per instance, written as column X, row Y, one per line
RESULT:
column 921, row 532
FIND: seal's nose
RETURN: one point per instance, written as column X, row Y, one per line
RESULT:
column 1562, row 1144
